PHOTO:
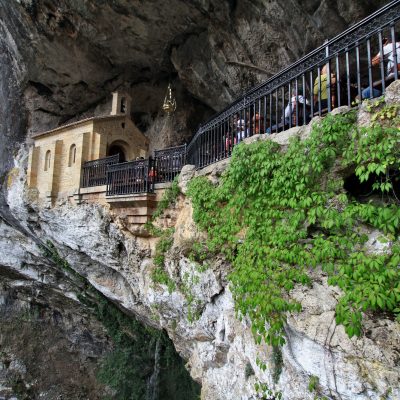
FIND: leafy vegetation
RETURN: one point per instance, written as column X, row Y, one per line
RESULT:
column 169, row 197
column 128, row 368
column 277, row 215
column 313, row 383
column 197, row 254
column 267, row 393
column 159, row 274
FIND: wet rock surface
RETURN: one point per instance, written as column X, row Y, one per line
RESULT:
column 51, row 347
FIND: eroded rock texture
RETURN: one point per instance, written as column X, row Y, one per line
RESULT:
column 197, row 309
column 50, row 346
column 61, row 59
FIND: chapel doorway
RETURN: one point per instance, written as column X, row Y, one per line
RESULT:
column 117, row 148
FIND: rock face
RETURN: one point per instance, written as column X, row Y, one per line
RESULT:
column 49, row 347
column 61, row 59
column 197, row 309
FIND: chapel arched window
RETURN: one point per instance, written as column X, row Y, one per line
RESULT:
column 72, row 155
column 47, row 160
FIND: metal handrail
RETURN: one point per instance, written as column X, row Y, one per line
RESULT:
column 168, row 163
column 393, row 5
column 290, row 98
column 168, row 150
column 130, row 177
column 94, row 173
column 331, row 53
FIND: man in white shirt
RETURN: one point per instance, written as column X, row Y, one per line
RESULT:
column 388, row 51
column 289, row 112
column 389, row 55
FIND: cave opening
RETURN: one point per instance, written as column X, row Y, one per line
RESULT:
column 366, row 191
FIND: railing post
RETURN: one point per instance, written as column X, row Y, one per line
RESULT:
column 381, row 63
column 108, row 188
column 358, row 70
column 369, row 67
column 396, row 62
column 150, row 175
column 328, row 76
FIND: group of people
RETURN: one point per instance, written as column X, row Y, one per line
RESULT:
column 299, row 106
column 388, row 53
column 245, row 124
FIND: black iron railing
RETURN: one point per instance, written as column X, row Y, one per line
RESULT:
column 130, row 177
column 341, row 71
column 335, row 74
column 168, row 163
column 94, row 173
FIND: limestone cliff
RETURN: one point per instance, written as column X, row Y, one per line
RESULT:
column 59, row 60
column 197, row 309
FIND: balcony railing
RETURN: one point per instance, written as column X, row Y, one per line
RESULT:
column 335, row 74
column 94, row 173
column 338, row 73
column 168, row 163
column 130, row 177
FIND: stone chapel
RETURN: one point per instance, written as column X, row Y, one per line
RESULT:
column 57, row 156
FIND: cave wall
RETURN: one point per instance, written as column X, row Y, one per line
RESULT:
column 61, row 59
column 50, row 346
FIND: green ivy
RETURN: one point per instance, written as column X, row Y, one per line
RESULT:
column 169, row 197
column 276, row 215
column 159, row 274
column 313, row 383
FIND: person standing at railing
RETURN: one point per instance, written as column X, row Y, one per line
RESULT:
column 289, row 117
column 240, row 129
column 152, row 175
column 257, row 124
column 231, row 132
column 290, row 110
column 391, row 64
column 321, row 86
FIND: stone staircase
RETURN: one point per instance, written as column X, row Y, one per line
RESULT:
column 133, row 211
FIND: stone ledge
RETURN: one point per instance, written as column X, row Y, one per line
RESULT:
column 93, row 189
column 129, row 200
column 163, row 185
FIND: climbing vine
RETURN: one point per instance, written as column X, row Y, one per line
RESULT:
column 159, row 274
column 277, row 215
column 169, row 197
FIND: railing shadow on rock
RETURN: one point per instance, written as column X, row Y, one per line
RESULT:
column 129, row 178
column 94, row 173
column 335, row 74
